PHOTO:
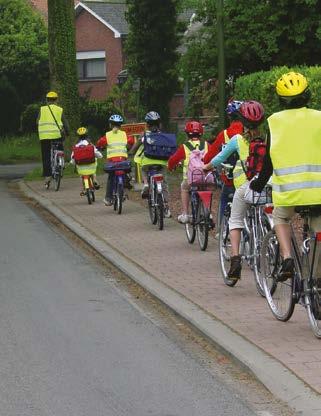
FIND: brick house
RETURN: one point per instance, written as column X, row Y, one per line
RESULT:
column 101, row 29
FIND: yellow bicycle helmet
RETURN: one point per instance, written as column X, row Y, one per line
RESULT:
column 52, row 94
column 82, row 131
column 291, row 84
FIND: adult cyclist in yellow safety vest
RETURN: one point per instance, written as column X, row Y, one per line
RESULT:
column 251, row 114
column 117, row 144
column 52, row 125
column 293, row 159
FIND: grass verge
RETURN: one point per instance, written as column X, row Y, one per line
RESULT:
column 19, row 149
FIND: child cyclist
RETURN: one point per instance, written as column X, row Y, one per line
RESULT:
column 194, row 131
column 85, row 168
column 223, row 137
column 251, row 115
column 117, row 144
column 153, row 120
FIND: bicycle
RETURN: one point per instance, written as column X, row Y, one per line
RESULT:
column 57, row 162
column 156, row 200
column 304, row 287
column 119, row 171
column 201, row 221
column 257, row 223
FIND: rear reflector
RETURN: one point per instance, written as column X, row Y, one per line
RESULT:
column 158, row 178
column 318, row 236
column 268, row 209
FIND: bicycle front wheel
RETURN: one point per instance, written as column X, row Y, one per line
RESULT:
column 225, row 250
column 279, row 295
column 160, row 211
column 202, row 226
column 190, row 227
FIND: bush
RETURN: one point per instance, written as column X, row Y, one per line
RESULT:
column 29, row 118
column 260, row 86
column 95, row 115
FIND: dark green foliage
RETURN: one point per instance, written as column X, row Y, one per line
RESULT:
column 95, row 115
column 29, row 116
column 258, row 35
column 260, row 86
column 62, row 52
column 10, row 107
column 152, row 51
column 23, row 60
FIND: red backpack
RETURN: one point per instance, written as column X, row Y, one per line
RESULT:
column 84, row 155
column 254, row 162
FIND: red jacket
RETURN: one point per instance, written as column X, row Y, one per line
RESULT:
column 103, row 143
column 236, row 127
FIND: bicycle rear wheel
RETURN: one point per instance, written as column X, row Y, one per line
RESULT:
column 225, row 250
column 160, row 211
column 119, row 198
column 88, row 194
column 190, row 227
column 262, row 228
column 202, row 225
column 313, row 306
column 279, row 295
column 152, row 210
column 57, row 177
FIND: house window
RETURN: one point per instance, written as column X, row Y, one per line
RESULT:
column 91, row 65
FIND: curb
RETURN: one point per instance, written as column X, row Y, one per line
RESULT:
column 277, row 378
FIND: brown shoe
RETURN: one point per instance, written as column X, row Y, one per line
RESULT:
column 235, row 270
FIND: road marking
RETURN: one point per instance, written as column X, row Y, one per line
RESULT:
column 264, row 413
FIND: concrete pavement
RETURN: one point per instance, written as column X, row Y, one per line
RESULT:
column 285, row 357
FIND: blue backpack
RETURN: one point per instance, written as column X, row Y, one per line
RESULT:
column 159, row 145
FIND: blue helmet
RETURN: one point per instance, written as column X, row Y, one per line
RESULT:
column 116, row 118
column 233, row 107
column 152, row 116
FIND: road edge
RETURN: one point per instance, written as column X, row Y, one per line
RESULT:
column 277, row 378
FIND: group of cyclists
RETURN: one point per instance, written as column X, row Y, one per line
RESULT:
column 292, row 158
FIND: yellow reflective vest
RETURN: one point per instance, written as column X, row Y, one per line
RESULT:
column 47, row 127
column 195, row 144
column 116, row 144
column 239, row 177
column 226, row 136
column 296, row 157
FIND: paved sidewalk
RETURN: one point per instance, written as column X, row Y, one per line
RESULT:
column 168, row 257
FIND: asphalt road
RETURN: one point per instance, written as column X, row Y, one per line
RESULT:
column 71, row 344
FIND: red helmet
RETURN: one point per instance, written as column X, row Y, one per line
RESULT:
column 194, row 127
column 252, row 113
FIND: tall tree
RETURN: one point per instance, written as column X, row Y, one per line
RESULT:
column 152, row 51
column 24, row 72
column 62, row 53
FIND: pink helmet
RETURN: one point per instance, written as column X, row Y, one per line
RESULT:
column 194, row 127
column 252, row 113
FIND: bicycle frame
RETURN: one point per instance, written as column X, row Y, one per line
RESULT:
column 156, row 181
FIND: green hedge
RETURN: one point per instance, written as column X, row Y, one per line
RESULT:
column 260, row 86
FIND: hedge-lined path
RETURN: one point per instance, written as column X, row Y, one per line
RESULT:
column 167, row 256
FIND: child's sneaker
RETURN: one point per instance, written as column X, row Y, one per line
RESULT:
column 183, row 218
column 107, row 202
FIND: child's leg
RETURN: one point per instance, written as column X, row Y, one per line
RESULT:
column 185, row 196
